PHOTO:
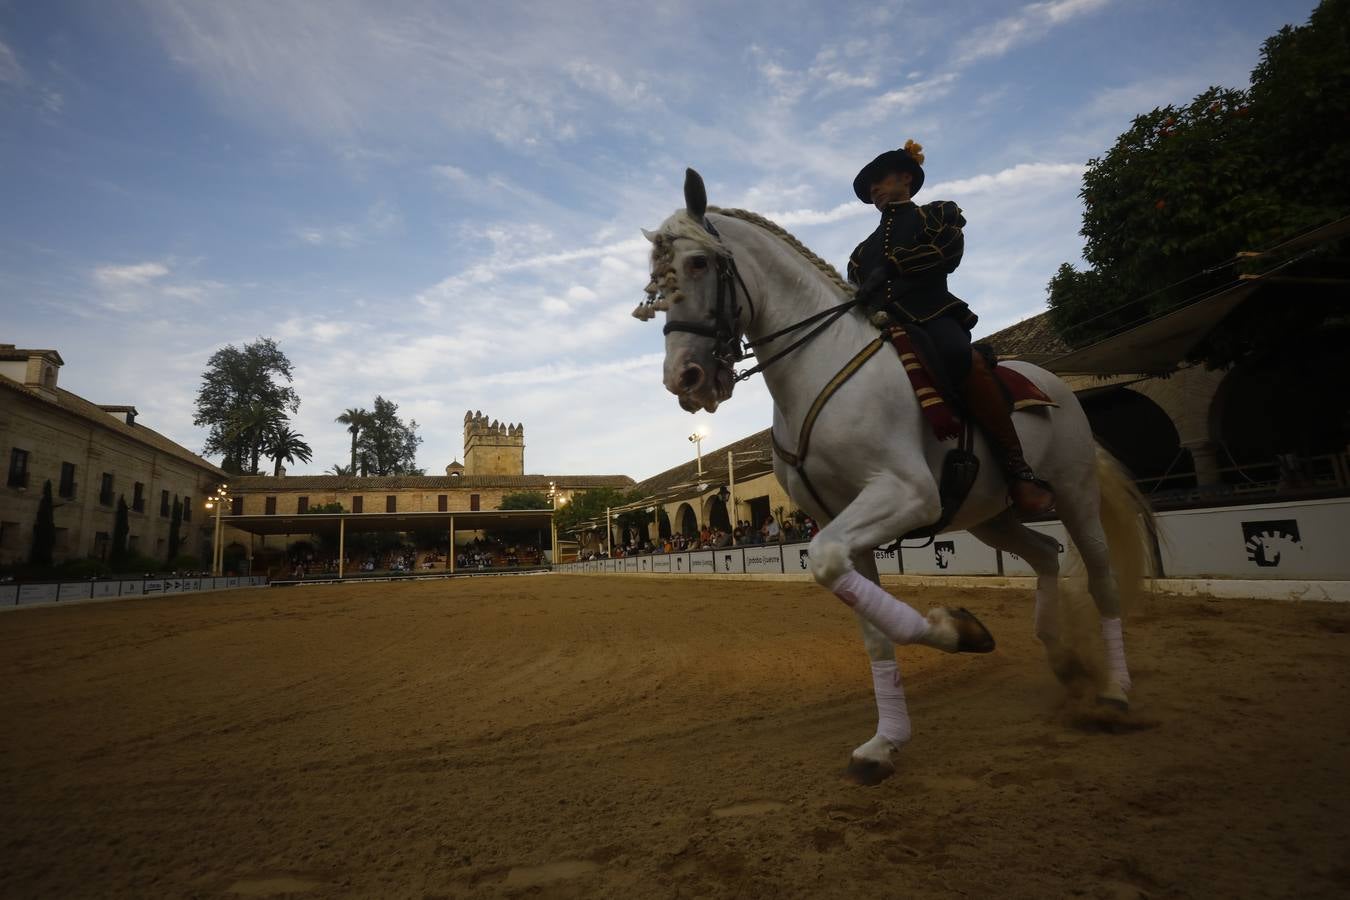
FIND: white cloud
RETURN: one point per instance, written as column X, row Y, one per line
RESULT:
column 1028, row 24
column 11, row 72
column 380, row 219
column 129, row 276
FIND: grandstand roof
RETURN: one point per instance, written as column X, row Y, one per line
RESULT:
column 317, row 523
column 753, row 457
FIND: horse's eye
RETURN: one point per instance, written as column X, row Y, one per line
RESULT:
column 698, row 263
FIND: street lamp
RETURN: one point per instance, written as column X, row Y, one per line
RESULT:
column 697, row 440
column 558, row 499
column 217, row 502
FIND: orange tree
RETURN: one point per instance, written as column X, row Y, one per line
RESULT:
column 1186, row 187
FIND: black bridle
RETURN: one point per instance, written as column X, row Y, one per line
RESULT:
column 724, row 326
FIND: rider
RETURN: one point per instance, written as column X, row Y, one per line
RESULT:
column 902, row 269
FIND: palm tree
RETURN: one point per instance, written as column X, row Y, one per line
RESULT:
column 339, row 469
column 284, row 445
column 249, row 429
column 355, row 420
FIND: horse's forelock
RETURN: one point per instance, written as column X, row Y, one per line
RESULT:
column 682, row 225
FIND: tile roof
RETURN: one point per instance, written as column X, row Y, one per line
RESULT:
column 755, row 457
column 266, row 483
column 1033, row 340
column 92, row 412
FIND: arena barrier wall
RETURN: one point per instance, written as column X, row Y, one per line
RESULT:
column 12, row 595
column 1305, row 540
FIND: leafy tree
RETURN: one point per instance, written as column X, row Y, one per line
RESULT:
column 1187, row 187
column 526, row 500
column 386, row 445
column 355, row 420
column 44, row 529
column 285, row 445
column 118, row 552
column 591, row 505
column 175, row 529
column 245, row 392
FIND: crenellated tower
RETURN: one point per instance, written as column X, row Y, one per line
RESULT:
column 492, row 447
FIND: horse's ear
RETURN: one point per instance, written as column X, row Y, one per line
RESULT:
column 695, row 195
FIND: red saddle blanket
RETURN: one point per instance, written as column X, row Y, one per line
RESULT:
column 940, row 413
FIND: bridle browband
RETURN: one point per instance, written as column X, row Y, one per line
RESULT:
column 728, row 347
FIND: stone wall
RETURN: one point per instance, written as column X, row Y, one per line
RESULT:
column 52, row 436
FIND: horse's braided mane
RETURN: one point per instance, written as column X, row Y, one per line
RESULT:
column 774, row 228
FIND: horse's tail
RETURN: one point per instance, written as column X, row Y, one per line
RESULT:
column 1131, row 529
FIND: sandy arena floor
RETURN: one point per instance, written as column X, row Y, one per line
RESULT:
column 622, row 737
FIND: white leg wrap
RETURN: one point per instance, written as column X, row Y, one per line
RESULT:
column 892, row 713
column 1115, row 652
column 897, row 620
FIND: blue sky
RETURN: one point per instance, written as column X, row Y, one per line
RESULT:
column 440, row 202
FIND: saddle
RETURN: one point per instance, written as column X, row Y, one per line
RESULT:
column 940, row 402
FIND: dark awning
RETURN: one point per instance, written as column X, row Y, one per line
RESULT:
column 418, row 521
column 1157, row 346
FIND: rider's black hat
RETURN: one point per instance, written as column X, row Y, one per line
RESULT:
column 908, row 158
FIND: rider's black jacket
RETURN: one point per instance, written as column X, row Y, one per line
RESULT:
column 921, row 246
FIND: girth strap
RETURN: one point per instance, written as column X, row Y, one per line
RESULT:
column 798, row 460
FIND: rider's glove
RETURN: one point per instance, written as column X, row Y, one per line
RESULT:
column 872, row 292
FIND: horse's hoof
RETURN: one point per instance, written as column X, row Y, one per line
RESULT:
column 1114, row 697
column 869, row 772
column 971, row 635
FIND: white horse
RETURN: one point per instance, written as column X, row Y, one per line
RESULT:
column 858, row 456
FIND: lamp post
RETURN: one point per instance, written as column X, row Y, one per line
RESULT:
column 217, row 502
column 697, row 440
column 558, row 500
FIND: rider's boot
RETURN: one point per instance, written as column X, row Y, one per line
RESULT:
column 986, row 402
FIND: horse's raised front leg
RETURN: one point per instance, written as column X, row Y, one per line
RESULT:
column 841, row 559
column 884, row 510
column 873, row 761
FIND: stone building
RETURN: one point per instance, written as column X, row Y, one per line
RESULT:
column 92, row 454
column 492, row 448
column 494, row 466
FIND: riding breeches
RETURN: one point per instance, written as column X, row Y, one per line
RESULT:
column 950, row 340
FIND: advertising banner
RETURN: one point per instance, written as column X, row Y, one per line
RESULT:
column 701, row 562
column 1308, row 540
column 795, row 559
column 74, row 590
column 38, row 593
column 645, row 563
column 730, row 560
column 888, row 561
column 661, row 563
column 764, row 559
column 1016, row 565
column 679, row 563
column 132, row 588
column 233, row 582
column 106, row 589
column 952, row 553
column 630, row 564
column 9, row 594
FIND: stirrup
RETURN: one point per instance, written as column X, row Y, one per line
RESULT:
column 1024, row 474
